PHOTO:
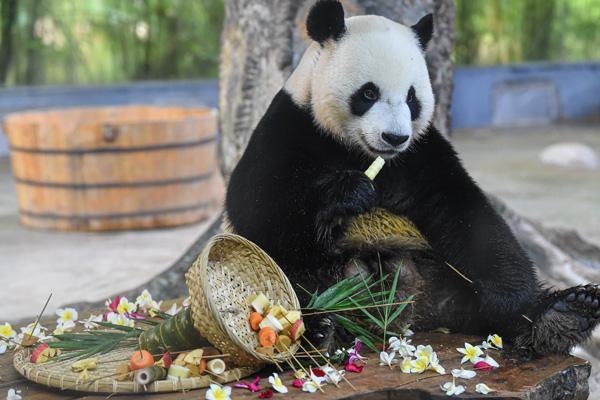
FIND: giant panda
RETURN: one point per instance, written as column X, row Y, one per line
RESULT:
column 362, row 90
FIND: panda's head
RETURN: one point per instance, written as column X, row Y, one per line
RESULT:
column 365, row 78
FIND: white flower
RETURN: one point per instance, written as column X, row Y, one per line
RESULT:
column 173, row 310
column 419, row 365
column 66, row 315
column 310, row 386
column 471, row 353
column 424, row 351
column 216, row 392
column 67, row 325
column 333, row 375
column 275, row 381
column 434, row 364
column 59, row 330
column 491, row 361
column 3, row 346
column 406, row 365
column 485, row 345
column 7, row 331
column 451, row 389
column 402, row 346
column 89, row 323
column 463, row 373
column 145, row 301
column 119, row 319
column 495, row 340
column 407, row 332
column 13, row 395
column 483, row 388
column 187, row 302
column 386, row 358
column 125, row 306
column 28, row 331
column 317, row 379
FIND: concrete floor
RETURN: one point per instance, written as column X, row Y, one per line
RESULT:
column 90, row 266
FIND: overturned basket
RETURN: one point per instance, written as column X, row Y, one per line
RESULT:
column 229, row 270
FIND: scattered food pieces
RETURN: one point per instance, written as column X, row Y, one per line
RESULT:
column 177, row 372
column 43, row 353
column 148, row 375
column 255, row 319
column 216, row 366
column 260, row 303
column 140, row 359
column 165, row 361
column 86, row 363
column 267, row 337
column 123, row 372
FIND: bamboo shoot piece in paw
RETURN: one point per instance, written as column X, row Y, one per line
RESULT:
column 375, row 167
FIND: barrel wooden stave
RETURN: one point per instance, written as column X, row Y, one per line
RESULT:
column 115, row 168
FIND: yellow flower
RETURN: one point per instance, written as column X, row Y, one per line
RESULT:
column 125, row 307
column 119, row 319
column 495, row 340
column 405, row 365
column 471, row 353
column 216, row 392
column 424, row 351
column 419, row 365
column 7, row 331
column 66, row 315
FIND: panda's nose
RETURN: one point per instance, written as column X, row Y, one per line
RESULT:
column 393, row 139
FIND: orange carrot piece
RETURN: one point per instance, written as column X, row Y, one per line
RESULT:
column 255, row 319
column 140, row 359
column 267, row 337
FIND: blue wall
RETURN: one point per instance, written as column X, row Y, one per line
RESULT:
column 577, row 85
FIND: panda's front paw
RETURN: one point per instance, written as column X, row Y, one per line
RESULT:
column 343, row 195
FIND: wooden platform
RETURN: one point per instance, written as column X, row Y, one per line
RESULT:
column 549, row 378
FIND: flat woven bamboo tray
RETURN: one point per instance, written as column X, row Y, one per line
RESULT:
column 102, row 380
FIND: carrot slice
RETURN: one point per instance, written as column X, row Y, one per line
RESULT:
column 255, row 319
column 140, row 359
column 267, row 337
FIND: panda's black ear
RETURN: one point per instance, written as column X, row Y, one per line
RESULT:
column 326, row 21
column 424, row 30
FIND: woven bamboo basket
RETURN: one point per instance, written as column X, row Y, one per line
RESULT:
column 102, row 380
column 229, row 270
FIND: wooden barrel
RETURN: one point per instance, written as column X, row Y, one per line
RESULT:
column 111, row 168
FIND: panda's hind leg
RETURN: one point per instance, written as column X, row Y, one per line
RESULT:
column 562, row 320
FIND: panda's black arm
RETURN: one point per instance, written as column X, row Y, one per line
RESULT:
column 463, row 228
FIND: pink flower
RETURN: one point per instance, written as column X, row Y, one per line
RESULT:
column 298, row 383
column 112, row 306
column 354, row 368
column 483, row 366
column 267, row 394
column 253, row 387
column 354, row 354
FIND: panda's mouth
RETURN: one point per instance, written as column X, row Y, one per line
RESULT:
column 382, row 152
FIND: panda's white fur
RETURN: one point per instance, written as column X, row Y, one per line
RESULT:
column 389, row 55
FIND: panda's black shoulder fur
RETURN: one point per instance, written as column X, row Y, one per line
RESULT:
column 295, row 185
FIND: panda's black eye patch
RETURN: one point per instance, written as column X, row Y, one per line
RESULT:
column 364, row 98
column 414, row 105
